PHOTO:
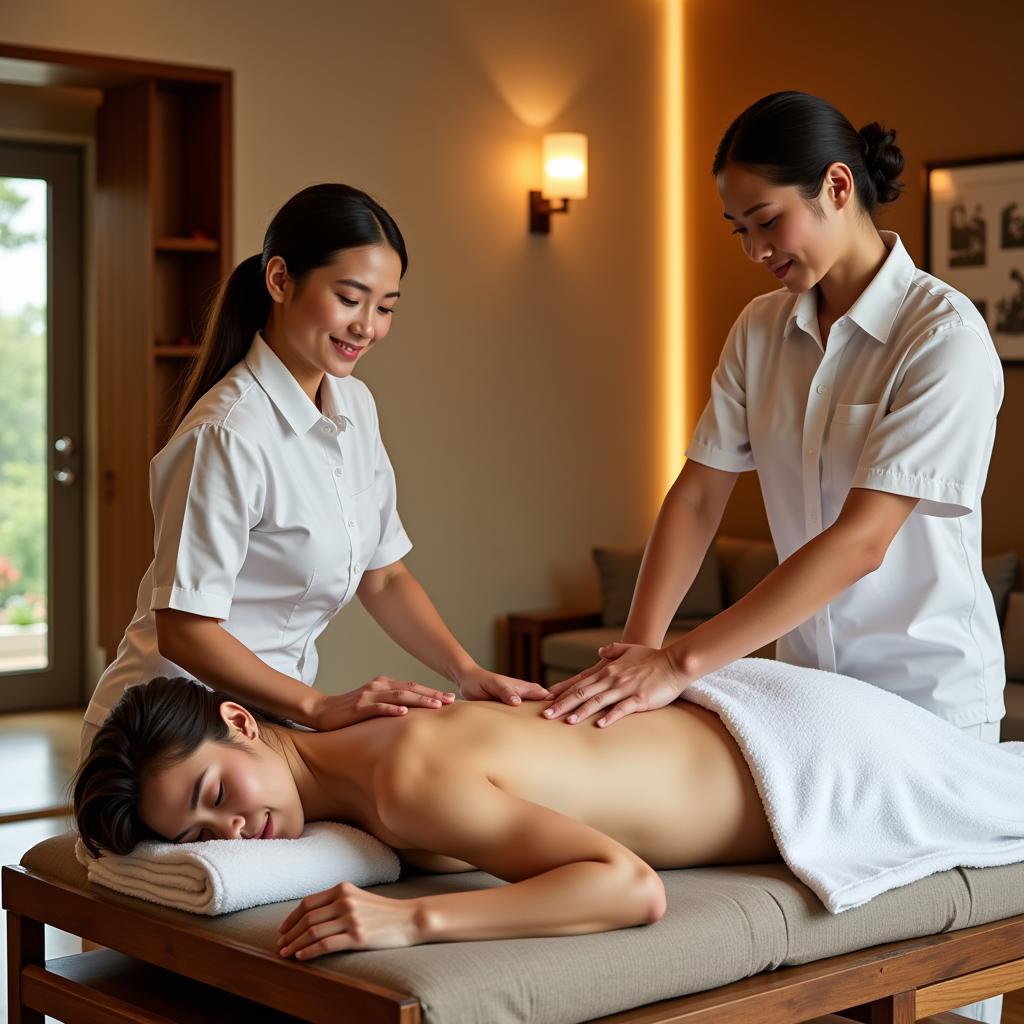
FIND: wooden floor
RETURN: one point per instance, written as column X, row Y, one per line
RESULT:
column 38, row 753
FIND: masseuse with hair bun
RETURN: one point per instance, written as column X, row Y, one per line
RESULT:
column 274, row 501
column 864, row 393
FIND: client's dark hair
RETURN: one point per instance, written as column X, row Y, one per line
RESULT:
column 153, row 726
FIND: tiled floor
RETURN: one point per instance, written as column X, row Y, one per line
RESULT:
column 38, row 753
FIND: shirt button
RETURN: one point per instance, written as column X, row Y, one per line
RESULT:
column 338, row 471
column 326, row 428
column 352, row 523
column 358, row 567
column 821, row 389
column 810, row 451
column 821, row 620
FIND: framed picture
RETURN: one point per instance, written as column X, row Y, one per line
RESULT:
column 974, row 240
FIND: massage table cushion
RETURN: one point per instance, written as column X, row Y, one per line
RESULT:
column 722, row 924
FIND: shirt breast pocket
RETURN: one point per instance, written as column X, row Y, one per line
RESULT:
column 847, row 433
column 367, row 523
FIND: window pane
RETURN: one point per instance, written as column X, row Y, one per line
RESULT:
column 23, row 419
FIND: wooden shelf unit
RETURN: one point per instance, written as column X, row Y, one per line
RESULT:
column 163, row 226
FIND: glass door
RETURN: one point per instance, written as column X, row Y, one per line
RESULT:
column 41, row 508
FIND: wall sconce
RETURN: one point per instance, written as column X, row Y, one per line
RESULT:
column 564, row 156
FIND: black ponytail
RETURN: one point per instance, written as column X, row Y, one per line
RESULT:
column 239, row 311
column 791, row 138
column 307, row 232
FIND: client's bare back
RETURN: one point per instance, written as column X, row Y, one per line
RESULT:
column 670, row 785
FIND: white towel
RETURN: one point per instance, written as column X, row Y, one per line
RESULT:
column 220, row 876
column 865, row 791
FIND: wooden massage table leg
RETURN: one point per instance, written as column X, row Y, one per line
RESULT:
column 25, row 947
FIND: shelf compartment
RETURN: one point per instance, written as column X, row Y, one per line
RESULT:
column 185, row 286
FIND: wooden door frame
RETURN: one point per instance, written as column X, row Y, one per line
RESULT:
column 122, row 308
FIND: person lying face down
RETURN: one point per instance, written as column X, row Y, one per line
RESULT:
column 577, row 820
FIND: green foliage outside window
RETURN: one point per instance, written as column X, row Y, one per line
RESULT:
column 23, row 484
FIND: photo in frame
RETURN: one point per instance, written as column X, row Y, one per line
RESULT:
column 974, row 240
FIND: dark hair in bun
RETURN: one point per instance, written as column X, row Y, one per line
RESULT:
column 791, row 138
column 884, row 160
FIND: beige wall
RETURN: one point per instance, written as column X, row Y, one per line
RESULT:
column 946, row 76
column 515, row 387
column 519, row 389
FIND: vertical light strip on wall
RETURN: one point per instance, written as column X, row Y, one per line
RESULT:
column 674, row 390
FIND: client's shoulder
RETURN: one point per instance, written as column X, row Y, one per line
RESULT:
column 430, row 745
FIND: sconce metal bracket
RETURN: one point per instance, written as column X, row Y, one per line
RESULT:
column 540, row 213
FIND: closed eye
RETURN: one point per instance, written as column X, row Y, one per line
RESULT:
column 220, row 796
column 766, row 226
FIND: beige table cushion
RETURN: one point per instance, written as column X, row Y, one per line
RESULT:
column 722, row 925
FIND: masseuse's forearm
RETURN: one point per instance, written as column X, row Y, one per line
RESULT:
column 686, row 524
column 574, row 899
column 798, row 589
column 206, row 650
column 402, row 608
column 675, row 550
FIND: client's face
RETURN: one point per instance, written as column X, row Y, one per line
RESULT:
column 238, row 790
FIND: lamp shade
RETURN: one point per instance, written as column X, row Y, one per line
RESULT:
column 565, row 165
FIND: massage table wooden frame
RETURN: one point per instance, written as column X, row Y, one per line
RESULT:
column 895, row 983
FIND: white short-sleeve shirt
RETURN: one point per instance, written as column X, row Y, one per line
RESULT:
column 267, row 513
column 902, row 398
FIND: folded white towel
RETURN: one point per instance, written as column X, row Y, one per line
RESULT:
column 865, row 791
column 221, row 876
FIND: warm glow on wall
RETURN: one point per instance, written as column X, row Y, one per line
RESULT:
column 676, row 421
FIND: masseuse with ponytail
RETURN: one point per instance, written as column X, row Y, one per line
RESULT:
column 274, row 501
column 864, row 393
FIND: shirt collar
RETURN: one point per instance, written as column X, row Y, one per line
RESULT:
column 333, row 393
column 281, row 387
column 878, row 305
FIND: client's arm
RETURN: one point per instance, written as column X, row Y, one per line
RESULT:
column 567, row 878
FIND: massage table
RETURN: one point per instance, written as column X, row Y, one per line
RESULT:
column 737, row 945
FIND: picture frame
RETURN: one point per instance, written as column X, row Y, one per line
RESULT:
column 974, row 240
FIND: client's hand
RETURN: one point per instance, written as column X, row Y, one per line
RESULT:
column 628, row 676
column 479, row 684
column 346, row 917
column 380, row 696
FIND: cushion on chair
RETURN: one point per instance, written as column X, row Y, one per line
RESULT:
column 722, row 925
column 1013, row 635
column 744, row 564
column 1012, row 726
column 576, row 649
column 618, row 571
column 1000, row 571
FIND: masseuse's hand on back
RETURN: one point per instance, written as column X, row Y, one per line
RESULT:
column 203, row 648
column 480, row 684
column 638, row 676
column 380, row 696
column 627, row 679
